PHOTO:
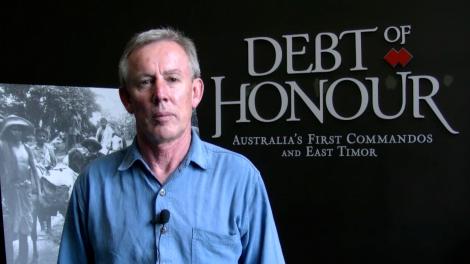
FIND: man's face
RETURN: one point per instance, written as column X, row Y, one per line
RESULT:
column 161, row 92
column 103, row 123
column 16, row 132
column 41, row 138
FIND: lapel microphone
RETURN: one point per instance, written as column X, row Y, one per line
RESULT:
column 162, row 218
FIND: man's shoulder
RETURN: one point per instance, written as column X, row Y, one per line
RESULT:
column 218, row 154
column 214, row 149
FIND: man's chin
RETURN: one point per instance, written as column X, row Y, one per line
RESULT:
column 165, row 135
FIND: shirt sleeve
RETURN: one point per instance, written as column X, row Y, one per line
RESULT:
column 260, row 240
column 75, row 246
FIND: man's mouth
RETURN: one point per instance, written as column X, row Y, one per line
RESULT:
column 162, row 116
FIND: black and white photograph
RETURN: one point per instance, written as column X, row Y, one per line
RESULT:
column 48, row 134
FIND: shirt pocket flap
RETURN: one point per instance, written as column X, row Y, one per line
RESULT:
column 219, row 248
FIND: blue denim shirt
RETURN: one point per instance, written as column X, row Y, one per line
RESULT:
column 219, row 211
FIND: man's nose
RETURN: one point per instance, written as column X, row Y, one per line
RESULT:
column 160, row 92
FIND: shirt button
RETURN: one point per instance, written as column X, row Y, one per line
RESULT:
column 164, row 229
column 162, row 192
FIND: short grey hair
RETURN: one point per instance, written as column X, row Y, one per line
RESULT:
column 155, row 35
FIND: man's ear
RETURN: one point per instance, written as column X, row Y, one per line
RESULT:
column 198, row 91
column 125, row 99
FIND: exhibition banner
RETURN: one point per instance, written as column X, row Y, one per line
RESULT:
column 359, row 128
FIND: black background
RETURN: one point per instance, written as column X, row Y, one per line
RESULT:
column 409, row 205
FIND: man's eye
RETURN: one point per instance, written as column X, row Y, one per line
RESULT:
column 145, row 82
column 172, row 79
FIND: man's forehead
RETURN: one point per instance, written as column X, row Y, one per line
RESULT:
column 160, row 48
column 164, row 56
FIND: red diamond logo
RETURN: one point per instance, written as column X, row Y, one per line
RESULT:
column 394, row 57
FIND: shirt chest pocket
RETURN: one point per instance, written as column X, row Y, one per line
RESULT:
column 209, row 247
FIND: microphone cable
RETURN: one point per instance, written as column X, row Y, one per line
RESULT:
column 164, row 218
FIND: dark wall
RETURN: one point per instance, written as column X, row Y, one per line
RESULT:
column 408, row 205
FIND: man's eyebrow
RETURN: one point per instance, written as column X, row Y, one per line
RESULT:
column 144, row 75
column 152, row 75
column 172, row 71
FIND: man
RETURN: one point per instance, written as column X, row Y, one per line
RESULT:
column 44, row 156
column 44, row 153
column 169, row 197
column 117, row 143
column 75, row 129
column 20, row 187
column 104, row 135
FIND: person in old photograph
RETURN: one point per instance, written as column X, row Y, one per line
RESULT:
column 45, row 159
column 117, row 143
column 104, row 135
column 169, row 196
column 20, row 187
column 82, row 153
column 93, row 148
column 75, row 130
column 44, row 153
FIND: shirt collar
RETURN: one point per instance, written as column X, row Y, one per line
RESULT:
column 197, row 154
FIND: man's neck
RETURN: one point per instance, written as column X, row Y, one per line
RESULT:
column 164, row 158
